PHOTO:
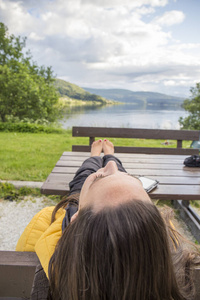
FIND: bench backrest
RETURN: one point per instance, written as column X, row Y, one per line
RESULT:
column 135, row 133
column 17, row 270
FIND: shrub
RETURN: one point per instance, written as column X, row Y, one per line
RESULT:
column 28, row 127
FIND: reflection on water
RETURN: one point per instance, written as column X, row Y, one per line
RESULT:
column 126, row 115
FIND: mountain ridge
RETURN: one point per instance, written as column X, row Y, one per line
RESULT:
column 73, row 91
column 137, row 98
column 140, row 99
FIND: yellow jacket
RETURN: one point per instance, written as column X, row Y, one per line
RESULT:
column 41, row 236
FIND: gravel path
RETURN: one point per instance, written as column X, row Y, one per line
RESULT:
column 14, row 216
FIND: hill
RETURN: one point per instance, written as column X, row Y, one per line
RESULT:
column 72, row 91
column 138, row 98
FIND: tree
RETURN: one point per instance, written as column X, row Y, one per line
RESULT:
column 192, row 105
column 26, row 90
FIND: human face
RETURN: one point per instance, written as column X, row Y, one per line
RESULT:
column 110, row 187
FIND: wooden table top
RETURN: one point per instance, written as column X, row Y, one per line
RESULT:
column 176, row 182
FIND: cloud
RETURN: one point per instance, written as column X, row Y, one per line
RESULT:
column 35, row 36
column 105, row 43
column 133, row 3
column 170, row 18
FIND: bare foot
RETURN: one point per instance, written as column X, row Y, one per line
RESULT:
column 96, row 148
column 108, row 147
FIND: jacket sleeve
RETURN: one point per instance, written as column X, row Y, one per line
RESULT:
column 33, row 231
column 46, row 244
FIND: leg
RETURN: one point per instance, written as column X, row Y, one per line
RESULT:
column 89, row 166
column 108, row 149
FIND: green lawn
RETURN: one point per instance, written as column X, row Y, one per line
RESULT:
column 32, row 156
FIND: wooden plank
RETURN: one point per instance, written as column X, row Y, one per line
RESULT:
column 165, row 191
column 55, row 188
column 150, row 160
column 152, row 156
column 127, row 155
column 169, row 180
column 18, row 258
column 66, row 178
column 161, row 158
column 185, row 172
column 135, row 157
column 17, row 271
column 148, row 150
column 136, row 133
column 76, row 154
column 60, row 177
column 176, row 192
column 156, row 172
column 130, row 164
column 64, row 170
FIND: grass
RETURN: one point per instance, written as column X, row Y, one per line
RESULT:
column 26, row 156
column 10, row 193
column 32, row 156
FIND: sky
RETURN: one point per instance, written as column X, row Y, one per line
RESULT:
column 140, row 45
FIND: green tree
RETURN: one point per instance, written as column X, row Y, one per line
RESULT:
column 26, row 90
column 192, row 105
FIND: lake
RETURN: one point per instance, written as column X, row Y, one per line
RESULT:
column 125, row 115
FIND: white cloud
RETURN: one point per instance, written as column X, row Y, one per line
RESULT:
column 170, row 18
column 144, row 10
column 133, row 3
column 35, row 36
column 14, row 15
column 177, row 83
column 105, row 43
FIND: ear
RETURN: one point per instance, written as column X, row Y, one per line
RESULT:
column 74, row 216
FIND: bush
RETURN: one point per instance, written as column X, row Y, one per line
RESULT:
column 192, row 105
column 28, row 127
column 26, row 89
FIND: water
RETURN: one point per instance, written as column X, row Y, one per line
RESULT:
column 126, row 115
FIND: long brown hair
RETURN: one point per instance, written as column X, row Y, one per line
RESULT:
column 126, row 252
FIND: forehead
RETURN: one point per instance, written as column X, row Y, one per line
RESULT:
column 115, row 189
column 118, row 176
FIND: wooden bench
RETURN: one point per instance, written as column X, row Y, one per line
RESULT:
column 135, row 133
column 17, row 271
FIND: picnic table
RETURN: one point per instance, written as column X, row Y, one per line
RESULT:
column 175, row 180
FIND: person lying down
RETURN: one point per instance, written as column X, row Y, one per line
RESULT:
column 107, row 239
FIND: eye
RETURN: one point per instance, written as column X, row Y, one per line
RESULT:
column 99, row 175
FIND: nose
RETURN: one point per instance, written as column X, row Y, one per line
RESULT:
column 110, row 168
